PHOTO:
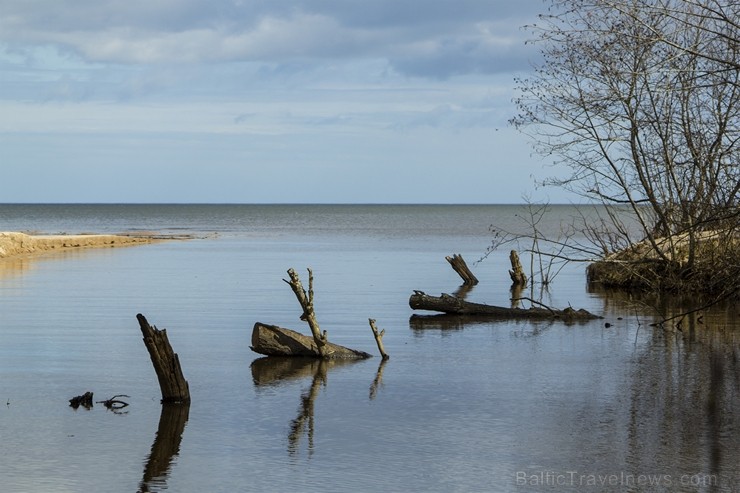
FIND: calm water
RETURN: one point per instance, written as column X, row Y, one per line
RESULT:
column 460, row 406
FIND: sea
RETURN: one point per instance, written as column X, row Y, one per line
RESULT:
column 615, row 404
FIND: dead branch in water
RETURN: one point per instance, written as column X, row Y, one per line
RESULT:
column 453, row 305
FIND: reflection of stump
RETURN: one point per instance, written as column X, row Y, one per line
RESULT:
column 518, row 277
column 516, row 294
column 165, row 448
column 172, row 383
column 459, row 266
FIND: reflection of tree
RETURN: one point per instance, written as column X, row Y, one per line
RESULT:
column 682, row 402
column 277, row 370
column 165, row 447
column 304, row 422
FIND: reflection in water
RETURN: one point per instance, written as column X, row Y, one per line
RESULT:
column 516, row 292
column 18, row 266
column 14, row 267
column 452, row 322
column 445, row 322
column 165, row 448
column 304, row 422
column 448, row 323
column 683, row 403
column 378, row 381
column 463, row 291
column 275, row 370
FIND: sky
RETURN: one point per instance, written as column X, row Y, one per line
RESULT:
column 266, row 101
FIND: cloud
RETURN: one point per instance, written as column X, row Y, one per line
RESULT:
column 435, row 38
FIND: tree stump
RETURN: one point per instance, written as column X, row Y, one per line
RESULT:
column 518, row 277
column 459, row 266
column 172, row 383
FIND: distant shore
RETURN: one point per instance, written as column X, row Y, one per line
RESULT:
column 13, row 244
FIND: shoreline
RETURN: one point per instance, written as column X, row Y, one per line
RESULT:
column 15, row 244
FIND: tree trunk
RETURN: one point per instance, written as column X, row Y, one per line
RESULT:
column 172, row 383
column 271, row 340
column 459, row 266
column 451, row 304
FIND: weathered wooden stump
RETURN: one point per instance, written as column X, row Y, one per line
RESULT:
column 172, row 383
column 518, row 277
column 458, row 265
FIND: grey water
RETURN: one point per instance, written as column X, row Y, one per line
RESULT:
column 611, row 405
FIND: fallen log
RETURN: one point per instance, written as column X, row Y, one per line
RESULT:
column 272, row 340
column 451, row 304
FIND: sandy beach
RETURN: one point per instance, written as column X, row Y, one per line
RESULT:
column 14, row 244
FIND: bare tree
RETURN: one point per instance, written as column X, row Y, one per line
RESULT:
column 640, row 100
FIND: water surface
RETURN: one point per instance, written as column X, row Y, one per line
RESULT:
column 460, row 406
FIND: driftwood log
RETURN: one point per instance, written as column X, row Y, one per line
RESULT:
column 172, row 383
column 272, row 340
column 458, row 265
column 451, row 304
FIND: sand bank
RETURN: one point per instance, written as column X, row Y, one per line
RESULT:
column 21, row 244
